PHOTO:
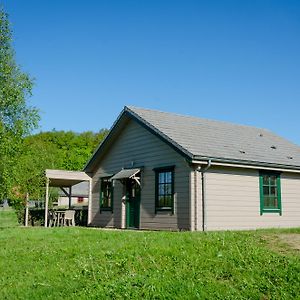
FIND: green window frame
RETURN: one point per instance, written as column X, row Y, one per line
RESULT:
column 164, row 189
column 270, row 192
column 106, row 194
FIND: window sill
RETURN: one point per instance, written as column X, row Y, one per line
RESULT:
column 270, row 211
column 167, row 210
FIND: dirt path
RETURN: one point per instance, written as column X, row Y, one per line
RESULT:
column 291, row 239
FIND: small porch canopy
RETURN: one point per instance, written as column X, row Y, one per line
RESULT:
column 127, row 173
column 64, row 179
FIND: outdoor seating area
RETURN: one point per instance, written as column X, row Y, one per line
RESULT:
column 61, row 218
column 65, row 180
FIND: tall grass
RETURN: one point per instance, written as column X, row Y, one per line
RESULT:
column 82, row 263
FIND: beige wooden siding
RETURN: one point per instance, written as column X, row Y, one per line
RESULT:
column 137, row 147
column 196, row 200
column 233, row 200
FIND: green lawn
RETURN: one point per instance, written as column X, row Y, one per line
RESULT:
column 82, row 263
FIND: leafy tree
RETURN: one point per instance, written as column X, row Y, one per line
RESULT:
column 35, row 158
column 24, row 158
column 17, row 118
column 52, row 150
column 72, row 150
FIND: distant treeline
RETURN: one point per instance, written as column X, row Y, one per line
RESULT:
column 65, row 150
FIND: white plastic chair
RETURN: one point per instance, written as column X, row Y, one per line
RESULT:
column 69, row 218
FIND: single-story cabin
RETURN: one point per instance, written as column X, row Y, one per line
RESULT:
column 158, row 170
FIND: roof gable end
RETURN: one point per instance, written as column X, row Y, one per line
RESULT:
column 128, row 112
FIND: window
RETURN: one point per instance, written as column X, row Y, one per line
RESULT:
column 80, row 199
column 106, row 194
column 270, row 193
column 164, row 188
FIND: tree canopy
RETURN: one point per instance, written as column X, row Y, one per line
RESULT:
column 67, row 150
column 64, row 150
column 24, row 157
column 17, row 118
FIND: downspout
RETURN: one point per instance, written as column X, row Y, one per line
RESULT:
column 203, row 171
column 195, row 173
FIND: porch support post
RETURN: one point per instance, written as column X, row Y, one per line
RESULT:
column 70, row 196
column 90, row 204
column 192, row 201
column 123, row 208
column 46, row 202
column 26, row 210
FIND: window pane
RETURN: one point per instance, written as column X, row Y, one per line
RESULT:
column 168, row 177
column 273, row 191
column 168, row 201
column 266, row 190
column 266, row 201
column 271, row 202
column 161, row 189
column 272, row 180
column 161, row 178
column 266, row 180
column 161, row 201
column 168, row 189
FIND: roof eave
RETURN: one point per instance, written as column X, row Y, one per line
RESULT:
column 253, row 164
column 179, row 149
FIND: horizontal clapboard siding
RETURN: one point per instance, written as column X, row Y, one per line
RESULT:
column 233, row 200
column 135, row 146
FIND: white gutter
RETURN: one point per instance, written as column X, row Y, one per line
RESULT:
column 256, row 167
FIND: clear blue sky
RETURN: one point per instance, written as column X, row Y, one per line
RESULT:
column 237, row 61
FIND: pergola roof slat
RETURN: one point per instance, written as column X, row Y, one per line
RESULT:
column 62, row 178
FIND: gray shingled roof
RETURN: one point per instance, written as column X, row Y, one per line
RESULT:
column 202, row 138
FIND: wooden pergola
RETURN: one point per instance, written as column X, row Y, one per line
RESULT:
column 66, row 179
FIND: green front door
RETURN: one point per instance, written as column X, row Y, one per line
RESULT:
column 133, row 193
